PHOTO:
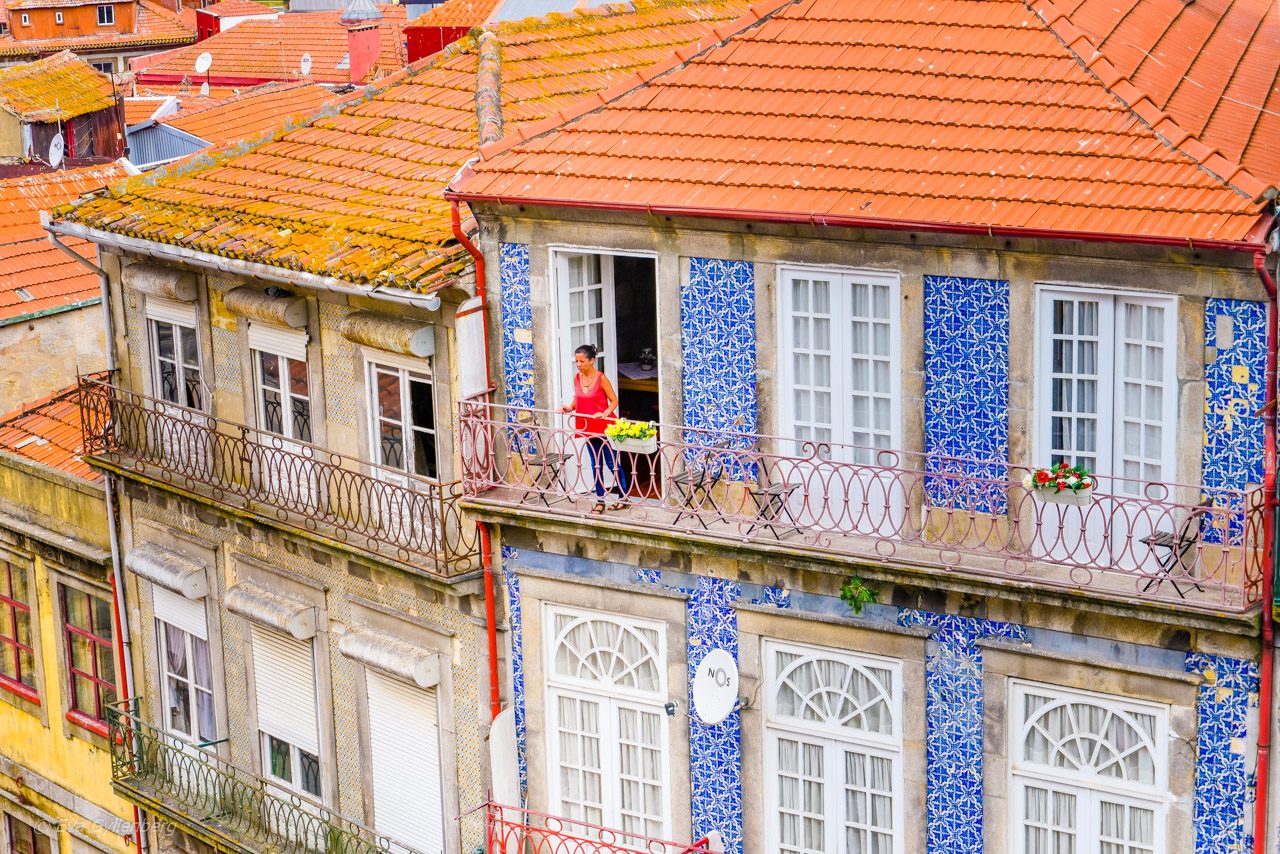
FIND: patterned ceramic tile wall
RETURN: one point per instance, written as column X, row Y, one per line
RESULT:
column 953, row 726
column 341, row 403
column 718, row 329
column 517, row 324
column 715, row 751
column 966, row 389
column 1234, row 392
column 517, row 664
column 1224, row 782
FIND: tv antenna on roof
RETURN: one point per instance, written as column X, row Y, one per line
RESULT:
column 203, row 63
column 304, row 65
column 57, row 148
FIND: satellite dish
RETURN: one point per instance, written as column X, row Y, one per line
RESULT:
column 504, row 758
column 715, row 687
column 57, row 148
column 204, row 89
column 305, row 65
column 204, row 62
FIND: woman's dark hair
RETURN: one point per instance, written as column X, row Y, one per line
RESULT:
column 587, row 350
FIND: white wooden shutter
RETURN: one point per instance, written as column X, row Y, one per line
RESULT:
column 171, row 311
column 284, row 677
column 404, row 747
column 290, row 343
column 180, row 612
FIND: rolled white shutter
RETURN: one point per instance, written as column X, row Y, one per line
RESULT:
column 284, row 678
column 179, row 611
column 404, row 742
column 290, row 343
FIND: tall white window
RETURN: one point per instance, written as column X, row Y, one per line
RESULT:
column 1107, row 386
column 187, row 673
column 607, row 732
column 288, row 725
column 585, row 302
column 404, row 417
column 833, row 751
column 175, row 353
column 282, row 382
column 1089, row 772
column 840, row 358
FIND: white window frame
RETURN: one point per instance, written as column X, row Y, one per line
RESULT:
column 424, row 367
column 562, row 362
column 108, row 19
column 176, row 314
column 26, row 19
column 877, row 744
column 840, row 313
column 286, row 345
column 188, row 638
column 1087, row 789
column 1108, row 392
column 611, row 699
column 57, row 17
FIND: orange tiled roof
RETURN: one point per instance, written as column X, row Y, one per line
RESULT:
column 458, row 13
column 22, row 199
column 959, row 112
column 239, row 8
column 57, row 88
column 48, row 431
column 253, row 113
column 357, row 195
column 156, row 27
column 1212, row 67
column 36, row 277
column 260, row 50
column 137, row 110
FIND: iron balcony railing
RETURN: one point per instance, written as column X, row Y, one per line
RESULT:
column 1198, row 547
column 510, row 830
column 381, row 510
column 218, row 801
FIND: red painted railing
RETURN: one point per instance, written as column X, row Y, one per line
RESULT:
column 510, row 830
column 381, row 510
column 1195, row 546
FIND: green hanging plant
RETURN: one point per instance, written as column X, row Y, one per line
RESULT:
column 856, row 594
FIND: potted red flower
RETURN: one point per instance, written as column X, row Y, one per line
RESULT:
column 1062, row 484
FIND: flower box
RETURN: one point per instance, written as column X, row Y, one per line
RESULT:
column 1078, row 497
column 647, row 445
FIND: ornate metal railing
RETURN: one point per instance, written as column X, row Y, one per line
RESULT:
column 1197, row 546
column 509, row 830
column 243, row 810
column 385, row 511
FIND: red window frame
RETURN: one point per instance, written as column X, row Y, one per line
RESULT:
column 11, row 646
column 97, row 722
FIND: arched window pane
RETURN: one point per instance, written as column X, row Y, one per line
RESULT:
column 1090, row 739
column 607, row 652
column 834, row 692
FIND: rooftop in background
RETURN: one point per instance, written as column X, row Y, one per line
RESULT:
column 1212, row 66
column 254, row 112
column 22, row 199
column 55, row 89
column 360, row 192
column 239, row 9
column 964, row 114
column 262, row 50
column 48, row 432
column 156, row 28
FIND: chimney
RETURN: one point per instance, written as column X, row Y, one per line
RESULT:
column 362, row 19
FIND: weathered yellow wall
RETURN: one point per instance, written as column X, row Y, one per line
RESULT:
column 46, row 745
column 76, row 336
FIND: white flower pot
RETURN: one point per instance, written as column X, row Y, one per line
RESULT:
column 1078, row 497
column 635, row 446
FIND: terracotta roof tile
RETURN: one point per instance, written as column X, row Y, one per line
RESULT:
column 966, row 112
column 22, row 199
column 48, row 431
column 261, row 50
column 58, row 88
column 358, row 195
column 36, row 277
column 458, row 13
column 156, row 27
column 138, row 110
column 1212, row 67
column 239, row 8
column 254, row 112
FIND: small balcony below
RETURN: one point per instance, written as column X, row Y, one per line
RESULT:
column 1189, row 546
column 510, row 830
column 382, row 511
column 226, row 807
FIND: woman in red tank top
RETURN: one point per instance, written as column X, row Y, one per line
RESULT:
column 594, row 403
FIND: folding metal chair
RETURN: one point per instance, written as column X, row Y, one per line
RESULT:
column 771, row 500
column 545, row 466
column 696, row 483
column 1180, row 546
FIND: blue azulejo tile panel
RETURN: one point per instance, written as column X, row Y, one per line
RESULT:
column 1234, row 394
column 517, row 663
column 715, row 752
column 953, row 726
column 718, row 331
column 966, row 391
column 517, row 324
column 1225, row 785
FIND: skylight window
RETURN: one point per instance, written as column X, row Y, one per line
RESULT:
column 24, row 294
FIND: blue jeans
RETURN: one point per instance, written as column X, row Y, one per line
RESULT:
column 600, row 451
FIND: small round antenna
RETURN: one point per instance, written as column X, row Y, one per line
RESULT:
column 304, row 65
column 204, row 89
column 204, row 62
column 715, row 687
column 57, row 148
